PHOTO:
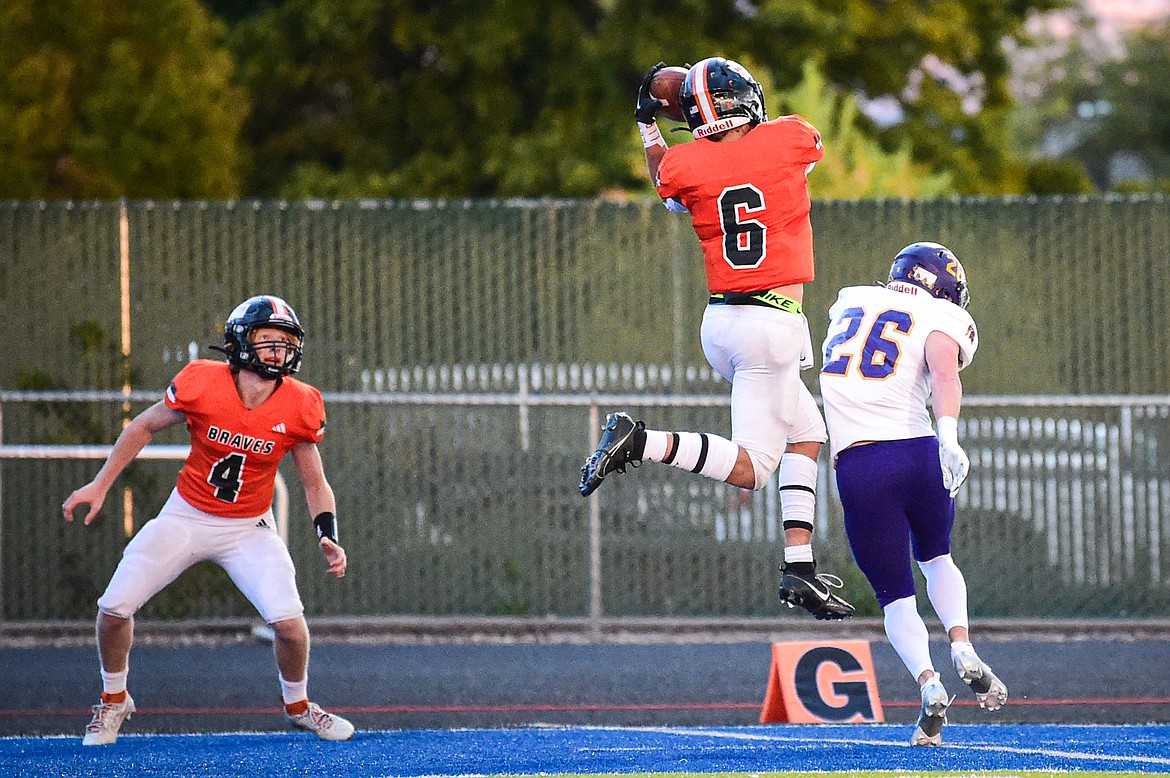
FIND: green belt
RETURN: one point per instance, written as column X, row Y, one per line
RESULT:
column 767, row 298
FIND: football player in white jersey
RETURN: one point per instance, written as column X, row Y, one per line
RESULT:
column 889, row 352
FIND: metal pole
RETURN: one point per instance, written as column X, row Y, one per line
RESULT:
column 280, row 507
column 124, row 288
column 523, row 404
column 2, row 517
column 594, row 533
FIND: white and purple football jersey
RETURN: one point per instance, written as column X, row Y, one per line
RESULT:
column 874, row 379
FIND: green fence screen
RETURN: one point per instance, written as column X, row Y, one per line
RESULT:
column 459, row 344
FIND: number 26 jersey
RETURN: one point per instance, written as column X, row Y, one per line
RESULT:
column 235, row 451
column 874, row 378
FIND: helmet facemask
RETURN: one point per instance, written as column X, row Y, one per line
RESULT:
column 245, row 353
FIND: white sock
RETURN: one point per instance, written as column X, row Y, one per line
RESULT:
column 698, row 452
column 907, row 633
column 114, row 683
column 655, row 449
column 798, row 491
column 798, row 553
column 294, row 691
column 947, row 590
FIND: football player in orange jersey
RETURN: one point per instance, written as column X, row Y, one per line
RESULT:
column 243, row 415
column 744, row 183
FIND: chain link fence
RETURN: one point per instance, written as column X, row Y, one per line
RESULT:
column 467, row 348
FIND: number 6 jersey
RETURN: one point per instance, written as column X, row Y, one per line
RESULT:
column 749, row 204
column 874, row 380
column 231, row 470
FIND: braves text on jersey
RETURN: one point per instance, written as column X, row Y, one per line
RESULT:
column 231, row 470
column 874, row 378
column 749, row 203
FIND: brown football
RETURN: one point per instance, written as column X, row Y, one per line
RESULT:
column 666, row 85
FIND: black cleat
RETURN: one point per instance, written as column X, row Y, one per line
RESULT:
column 622, row 443
column 814, row 593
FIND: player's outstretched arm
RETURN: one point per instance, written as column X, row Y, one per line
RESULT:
column 322, row 504
column 645, row 112
column 942, row 359
column 132, row 440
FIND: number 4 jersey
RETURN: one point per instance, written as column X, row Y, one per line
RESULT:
column 231, row 470
column 874, row 380
column 749, row 204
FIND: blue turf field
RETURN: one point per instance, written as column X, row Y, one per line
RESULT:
column 551, row 750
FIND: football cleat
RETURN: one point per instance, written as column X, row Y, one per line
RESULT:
column 622, row 442
column 989, row 690
column 323, row 724
column 933, row 715
column 103, row 728
column 814, row 593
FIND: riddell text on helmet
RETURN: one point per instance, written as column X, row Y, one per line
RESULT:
column 720, row 126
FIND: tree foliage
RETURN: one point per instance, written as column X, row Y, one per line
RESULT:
column 102, row 98
column 1138, row 94
column 401, row 98
column 855, row 165
column 467, row 98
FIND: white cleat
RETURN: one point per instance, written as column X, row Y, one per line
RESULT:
column 103, row 728
column 933, row 716
column 325, row 725
column 989, row 690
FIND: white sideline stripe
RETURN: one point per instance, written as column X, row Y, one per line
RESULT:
column 899, row 744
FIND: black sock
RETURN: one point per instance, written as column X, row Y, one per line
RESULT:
column 801, row 568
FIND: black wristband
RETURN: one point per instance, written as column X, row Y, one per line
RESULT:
column 326, row 524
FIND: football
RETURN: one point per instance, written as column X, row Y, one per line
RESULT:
column 666, row 85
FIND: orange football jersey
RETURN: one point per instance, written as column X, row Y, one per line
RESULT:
column 231, row 470
column 749, row 204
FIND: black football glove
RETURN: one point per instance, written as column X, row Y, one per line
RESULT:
column 648, row 105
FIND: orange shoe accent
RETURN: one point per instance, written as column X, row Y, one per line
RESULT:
column 822, row 683
column 296, row 708
column 116, row 698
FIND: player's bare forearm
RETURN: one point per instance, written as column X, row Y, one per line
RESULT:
column 942, row 360
column 318, row 493
column 654, row 155
column 130, row 442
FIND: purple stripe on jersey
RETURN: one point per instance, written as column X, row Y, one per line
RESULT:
column 894, row 503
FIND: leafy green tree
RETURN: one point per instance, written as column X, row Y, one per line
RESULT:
column 855, row 164
column 497, row 98
column 1137, row 92
column 400, row 98
column 105, row 98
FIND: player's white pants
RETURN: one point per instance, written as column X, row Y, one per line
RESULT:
column 759, row 351
column 250, row 550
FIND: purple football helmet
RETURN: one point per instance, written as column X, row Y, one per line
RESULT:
column 933, row 268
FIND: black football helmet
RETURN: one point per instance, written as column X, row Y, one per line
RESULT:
column 255, row 312
column 933, row 268
column 719, row 94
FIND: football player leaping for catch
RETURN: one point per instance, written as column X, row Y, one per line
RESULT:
column 744, row 183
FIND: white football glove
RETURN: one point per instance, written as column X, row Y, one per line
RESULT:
column 951, row 455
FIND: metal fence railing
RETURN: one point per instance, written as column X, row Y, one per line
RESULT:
column 459, row 498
